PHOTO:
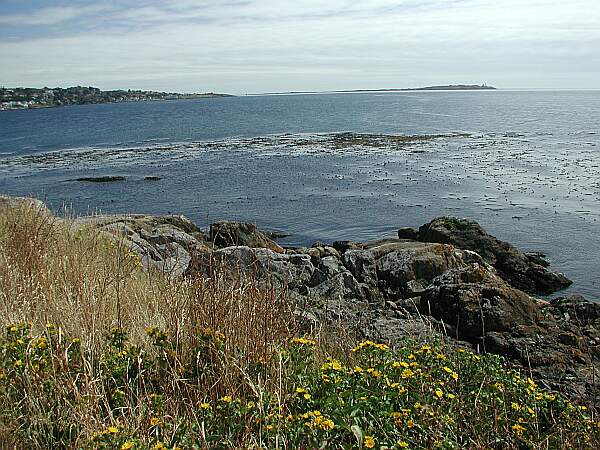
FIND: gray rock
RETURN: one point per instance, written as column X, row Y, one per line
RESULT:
column 227, row 234
column 476, row 301
column 361, row 263
column 408, row 233
column 526, row 272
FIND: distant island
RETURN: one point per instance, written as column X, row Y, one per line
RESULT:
column 29, row 98
column 448, row 87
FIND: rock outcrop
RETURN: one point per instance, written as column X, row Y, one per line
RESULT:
column 164, row 243
column 526, row 272
column 227, row 234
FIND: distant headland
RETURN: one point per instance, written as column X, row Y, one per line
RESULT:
column 30, row 98
column 447, row 87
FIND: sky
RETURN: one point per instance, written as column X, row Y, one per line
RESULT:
column 250, row 46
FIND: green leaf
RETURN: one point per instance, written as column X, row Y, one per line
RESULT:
column 358, row 434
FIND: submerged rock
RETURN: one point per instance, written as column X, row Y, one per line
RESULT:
column 526, row 272
column 103, row 179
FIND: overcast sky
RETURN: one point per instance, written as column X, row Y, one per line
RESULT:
column 242, row 46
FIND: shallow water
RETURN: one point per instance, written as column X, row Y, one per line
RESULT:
column 523, row 164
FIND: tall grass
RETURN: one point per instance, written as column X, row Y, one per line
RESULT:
column 88, row 285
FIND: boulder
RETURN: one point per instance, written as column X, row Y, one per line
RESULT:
column 279, row 269
column 164, row 243
column 408, row 233
column 526, row 272
column 227, row 234
column 475, row 301
column 405, row 268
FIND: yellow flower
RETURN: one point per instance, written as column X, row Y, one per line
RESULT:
column 127, row 445
column 159, row 446
column 369, row 442
column 327, row 424
column 410, row 423
column 154, row 421
column 450, row 396
column 113, row 430
column 518, row 429
column 306, row 396
column 227, row 399
column 357, row 369
column 204, row 405
column 250, row 405
column 439, row 393
column 303, row 341
column 374, row 373
column 402, row 444
column 269, row 427
column 407, row 373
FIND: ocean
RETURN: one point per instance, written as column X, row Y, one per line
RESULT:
column 524, row 164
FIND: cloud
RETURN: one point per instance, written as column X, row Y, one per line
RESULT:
column 51, row 15
column 263, row 45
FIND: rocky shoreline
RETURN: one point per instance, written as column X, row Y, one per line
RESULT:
column 448, row 280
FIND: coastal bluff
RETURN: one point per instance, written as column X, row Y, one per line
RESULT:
column 449, row 279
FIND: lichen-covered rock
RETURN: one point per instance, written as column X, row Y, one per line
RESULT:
column 228, row 234
column 164, row 243
column 475, row 301
column 517, row 268
column 403, row 268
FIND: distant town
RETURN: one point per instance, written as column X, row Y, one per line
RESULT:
column 29, row 98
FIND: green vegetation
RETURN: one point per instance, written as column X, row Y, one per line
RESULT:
column 97, row 354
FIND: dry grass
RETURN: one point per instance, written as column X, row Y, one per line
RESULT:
column 87, row 285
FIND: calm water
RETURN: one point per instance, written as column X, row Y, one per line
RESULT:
column 528, row 170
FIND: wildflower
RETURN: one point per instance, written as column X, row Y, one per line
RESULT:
column 357, row 369
column 410, row 423
column 306, row 396
column 269, row 427
column 515, row 406
column 369, row 442
column 402, row 444
column 304, row 341
column 373, row 372
column 250, row 405
column 407, row 373
column 204, row 406
column 112, row 430
column 327, row 424
column 439, row 393
column 154, row 421
column 227, row 399
column 518, row 429
column 159, row 446
column 450, row 396
column 127, row 445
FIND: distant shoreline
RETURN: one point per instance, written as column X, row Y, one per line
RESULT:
column 449, row 87
column 36, row 98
